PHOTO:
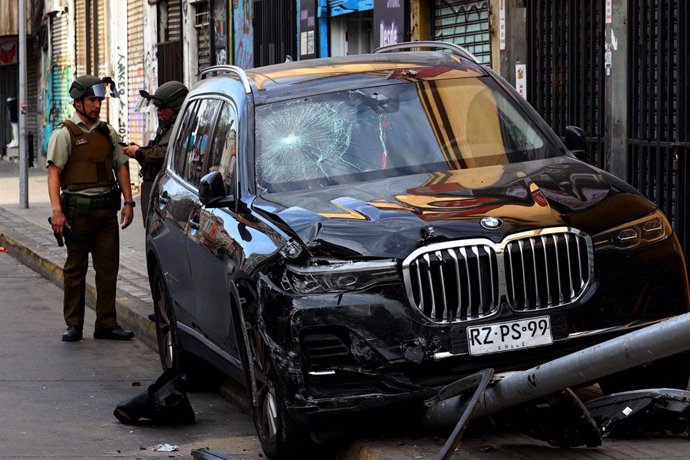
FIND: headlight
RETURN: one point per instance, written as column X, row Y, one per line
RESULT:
column 338, row 277
column 641, row 232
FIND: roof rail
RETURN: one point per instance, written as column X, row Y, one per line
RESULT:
column 457, row 49
column 227, row 69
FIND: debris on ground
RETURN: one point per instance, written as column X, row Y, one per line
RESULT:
column 165, row 448
column 660, row 411
column 165, row 402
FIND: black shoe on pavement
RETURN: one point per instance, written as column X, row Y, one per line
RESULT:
column 113, row 333
column 72, row 334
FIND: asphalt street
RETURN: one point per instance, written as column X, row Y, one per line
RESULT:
column 58, row 398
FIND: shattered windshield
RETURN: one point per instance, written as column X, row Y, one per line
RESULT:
column 400, row 129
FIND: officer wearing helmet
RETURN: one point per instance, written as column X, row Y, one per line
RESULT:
column 167, row 100
column 87, row 172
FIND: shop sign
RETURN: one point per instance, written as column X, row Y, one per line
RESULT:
column 389, row 22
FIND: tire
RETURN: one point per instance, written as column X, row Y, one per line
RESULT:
column 671, row 372
column 169, row 347
column 281, row 437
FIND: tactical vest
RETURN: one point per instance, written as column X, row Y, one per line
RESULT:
column 91, row 162
column 153, row 155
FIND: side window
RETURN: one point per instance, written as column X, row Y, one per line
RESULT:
column 195, row 162
column 182, row 141
column 224, row 145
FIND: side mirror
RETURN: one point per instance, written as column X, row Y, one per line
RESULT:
column 576, row 141
column 212, row 189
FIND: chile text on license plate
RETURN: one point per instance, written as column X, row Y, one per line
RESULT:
column 510, row 335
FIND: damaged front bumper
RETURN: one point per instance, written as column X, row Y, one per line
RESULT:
column 359, row 351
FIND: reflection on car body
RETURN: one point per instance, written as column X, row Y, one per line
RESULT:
column 330, row 254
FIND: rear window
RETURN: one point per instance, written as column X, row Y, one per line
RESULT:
column 401, row 129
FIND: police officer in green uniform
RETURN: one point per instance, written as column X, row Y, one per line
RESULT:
column 167, row 99
column 87, row 171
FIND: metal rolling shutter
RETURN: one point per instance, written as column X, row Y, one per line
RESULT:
column 90, row 19
column 80, row 38
column 465, row 23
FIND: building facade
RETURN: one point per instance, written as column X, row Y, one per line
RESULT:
column 617, row 68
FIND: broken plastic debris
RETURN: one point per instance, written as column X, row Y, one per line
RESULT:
column 165, row 448
column 164, row 402
column 4, row 249
column 638, row 413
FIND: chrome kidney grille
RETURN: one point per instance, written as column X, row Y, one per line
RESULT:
column 469, row 279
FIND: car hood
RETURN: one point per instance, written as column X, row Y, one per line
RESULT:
column 391, row 217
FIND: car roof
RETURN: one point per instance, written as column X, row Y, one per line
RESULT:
column 317, row 76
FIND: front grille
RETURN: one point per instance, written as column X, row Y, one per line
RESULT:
column 468, row 279
column 455, row 283
column 546, row 270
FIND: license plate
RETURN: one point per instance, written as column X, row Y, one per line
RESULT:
column 510, row 335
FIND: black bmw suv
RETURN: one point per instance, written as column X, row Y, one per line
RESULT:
column 352, row 233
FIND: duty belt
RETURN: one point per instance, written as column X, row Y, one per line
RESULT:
column 110, row 200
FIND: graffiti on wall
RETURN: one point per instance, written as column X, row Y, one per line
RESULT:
column 220, row 33
column 151, row 77
column 243, row 15
column 137, row 120
column 121, row 80
column 57, row 102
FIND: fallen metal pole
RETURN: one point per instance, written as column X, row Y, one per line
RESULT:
column 651, row 343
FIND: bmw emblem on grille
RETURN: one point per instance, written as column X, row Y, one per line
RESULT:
column 491, row 223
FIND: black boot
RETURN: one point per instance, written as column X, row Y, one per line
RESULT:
column 72, row 334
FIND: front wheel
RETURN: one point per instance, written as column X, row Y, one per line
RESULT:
column 281, row 437
column 169, row 348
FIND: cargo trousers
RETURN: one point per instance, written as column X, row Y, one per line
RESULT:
column 93, row 229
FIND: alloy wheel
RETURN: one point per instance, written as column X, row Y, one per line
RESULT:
column 269, row 417
column 165, row 332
